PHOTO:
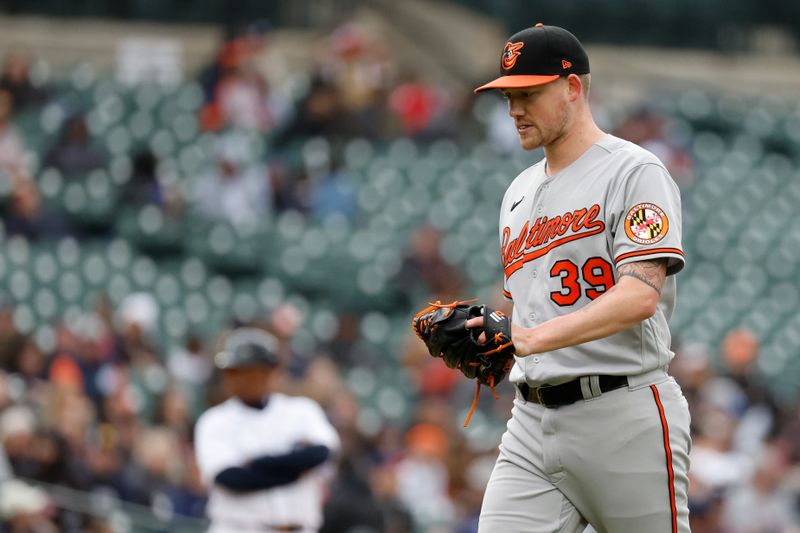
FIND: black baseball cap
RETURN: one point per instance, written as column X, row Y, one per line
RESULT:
column 538, row 55
column 248, row 347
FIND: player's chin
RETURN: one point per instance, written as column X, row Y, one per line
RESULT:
column 530, row 142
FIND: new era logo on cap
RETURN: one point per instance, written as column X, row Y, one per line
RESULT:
column 565, row 64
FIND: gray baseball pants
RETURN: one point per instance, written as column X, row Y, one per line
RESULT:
column 618, row 462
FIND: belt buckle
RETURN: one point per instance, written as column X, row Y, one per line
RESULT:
column 540, row 399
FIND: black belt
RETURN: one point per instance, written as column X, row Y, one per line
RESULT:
column 567, row 393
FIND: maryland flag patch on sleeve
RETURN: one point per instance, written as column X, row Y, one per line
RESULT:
column 646, row 223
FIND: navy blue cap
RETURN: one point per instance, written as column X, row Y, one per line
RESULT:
column 246, row 347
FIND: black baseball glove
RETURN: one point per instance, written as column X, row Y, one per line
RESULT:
column 443, row 329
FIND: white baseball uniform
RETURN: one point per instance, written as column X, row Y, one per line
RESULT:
column 617, row 459
column 232, row 433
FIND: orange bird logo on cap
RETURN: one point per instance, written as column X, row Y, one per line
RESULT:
column 510, row 54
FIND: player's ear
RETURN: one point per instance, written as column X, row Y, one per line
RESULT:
column 575, row 87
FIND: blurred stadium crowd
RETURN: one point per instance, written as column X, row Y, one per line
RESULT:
column 152, row 201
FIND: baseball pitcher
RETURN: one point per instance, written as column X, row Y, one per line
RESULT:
column 590, row 240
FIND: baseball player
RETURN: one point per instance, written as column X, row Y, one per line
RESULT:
column 590, row 241
column 262, row 453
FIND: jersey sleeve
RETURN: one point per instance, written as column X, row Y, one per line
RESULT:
column 646, row 216
column 213, row 447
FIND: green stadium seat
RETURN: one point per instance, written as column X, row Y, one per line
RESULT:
column 18, row 251
column 19, row 285
column 95, row 269
column 271, row 292
column 358, row 154
column 162, row 143
column 192, row 161
column 245, row 306
column 51, row 185
column 231, row 249
column 444, row 153
column 402, row 152
column 361, row 381
column 167, row 290
column 82, row 77
column 190, row 97
column 45, row 304
column 142, row 125
column 174, row 322
column 220, row 291
column 144, row 273
column 70, row 287
column 185, row 128
column 118, row 287
column 24, row 318
column 45, row 338
column 45, row 268
column 68, row 252
column 196, row 307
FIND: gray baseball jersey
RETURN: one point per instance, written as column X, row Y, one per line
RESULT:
column 562, row 239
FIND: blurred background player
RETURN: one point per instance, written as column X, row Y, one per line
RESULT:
column 262, row 452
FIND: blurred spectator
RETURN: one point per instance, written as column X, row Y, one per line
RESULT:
column 715, row 462
column 648, row 129
column 431, row 377
column 706, row 509
column 283, row 323
column 500, row 132
column 154, row 475
column 26, row 216
column 425, row 272
column 12, row 146
column 237, row 190
column 290, row 190
column 17, row 429
column 241, row 98
column 758, row 410
column 383, row 482
column 16, row 80
column 415, row 104
column 24, row 509
column 136, row 323
column 764, row 504
column 144, row 186
column 360, row 65
column 174, row 413
column 333, row 192
column 347, row 348
column 75, row 154
column 31, row 367
column 320, row 114
column 351, row 506
column 238, row 48
column 11, row 340
column 422, row 478
column 237, row 94
column 190, row 367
